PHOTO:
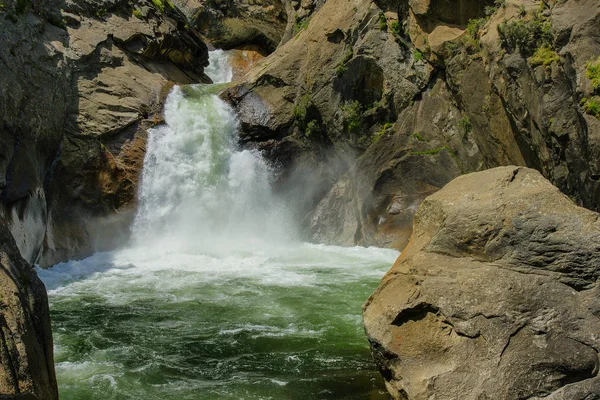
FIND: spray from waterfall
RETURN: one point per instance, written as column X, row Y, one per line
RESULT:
column 199, row 192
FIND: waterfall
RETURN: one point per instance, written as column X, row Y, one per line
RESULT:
column 198, row 190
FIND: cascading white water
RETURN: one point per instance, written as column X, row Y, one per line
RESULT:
column 199, row 192
column 213, row 299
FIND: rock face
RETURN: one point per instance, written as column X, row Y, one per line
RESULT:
column 26, row 350
column 81, row 82
column 495, row 297
column 382, row 103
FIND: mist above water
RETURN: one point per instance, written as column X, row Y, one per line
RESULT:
column 198, row 191
column 215, row 298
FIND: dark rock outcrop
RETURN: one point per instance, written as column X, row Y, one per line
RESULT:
column 495, row 297
column 383, row 103
column 80, row 83
column 26, row 349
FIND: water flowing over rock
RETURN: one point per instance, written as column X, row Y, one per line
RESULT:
column 81, row 82
column 382, row 103
column 495, row 297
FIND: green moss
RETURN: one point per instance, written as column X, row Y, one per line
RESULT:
column 300, row 24
column 312, row 128
column 593, row 73
column 545, row 56
column 592, row 107
column 352, row 116
column 100, row 13
column 417, row 55
column 465, row 125
column 341, row 68
column 383, row 22
column 430, row 152
column 301, row 109
column 161, row 4
column 137, row 13
column 419, row 137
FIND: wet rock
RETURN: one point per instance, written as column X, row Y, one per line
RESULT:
column 494, row 297
column 81, row 83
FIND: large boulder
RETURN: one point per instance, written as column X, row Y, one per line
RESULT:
column 26, row 350
column 495, row 297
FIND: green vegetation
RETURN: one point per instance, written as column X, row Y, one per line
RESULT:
column 382, row 132
column 592, row 106
column 340, row 69
column 300, row 24
column 527, row 34
column 100, row 13
column 593, row 73
column 383, row 22
column 301, row 109
column 465, row 125
column 311, row 128
column 352, row 116
column 161, row 4
column 396, row 29
column 417, row 55
column 475, row 26
column 431, row 151
column 545, row 56
column 137, row 13
column 2, row 6
column 419, row 137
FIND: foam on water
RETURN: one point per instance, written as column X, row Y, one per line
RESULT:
column 214, row 298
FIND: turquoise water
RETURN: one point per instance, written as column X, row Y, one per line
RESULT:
column 282, row 324
column 214, row 298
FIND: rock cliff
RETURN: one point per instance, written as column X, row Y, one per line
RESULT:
column 81, row 82
column 26, row 350
column 495, row 297
column 372, row 106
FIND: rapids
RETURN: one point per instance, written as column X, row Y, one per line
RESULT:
column 215, row 297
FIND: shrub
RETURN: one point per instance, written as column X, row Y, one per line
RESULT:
column 396, row 29
column 544, row 56
column 526, row 35
column 474, row 26
column 593, row 73
column 465, row 124
column 592, row 107
column 311, row 128
column 383, row 22
column 352, row 115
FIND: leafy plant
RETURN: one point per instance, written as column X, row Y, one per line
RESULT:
column 300, row 24
column 465, row 125
column 417, row 55
column 475, row 26
column 311, row 128
column 396, row 29
column 593, row 73
column 383, row 22
column 526, row 35
column 545, row 56
column 352, row 115
column 592, row 107
column 137, row 13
